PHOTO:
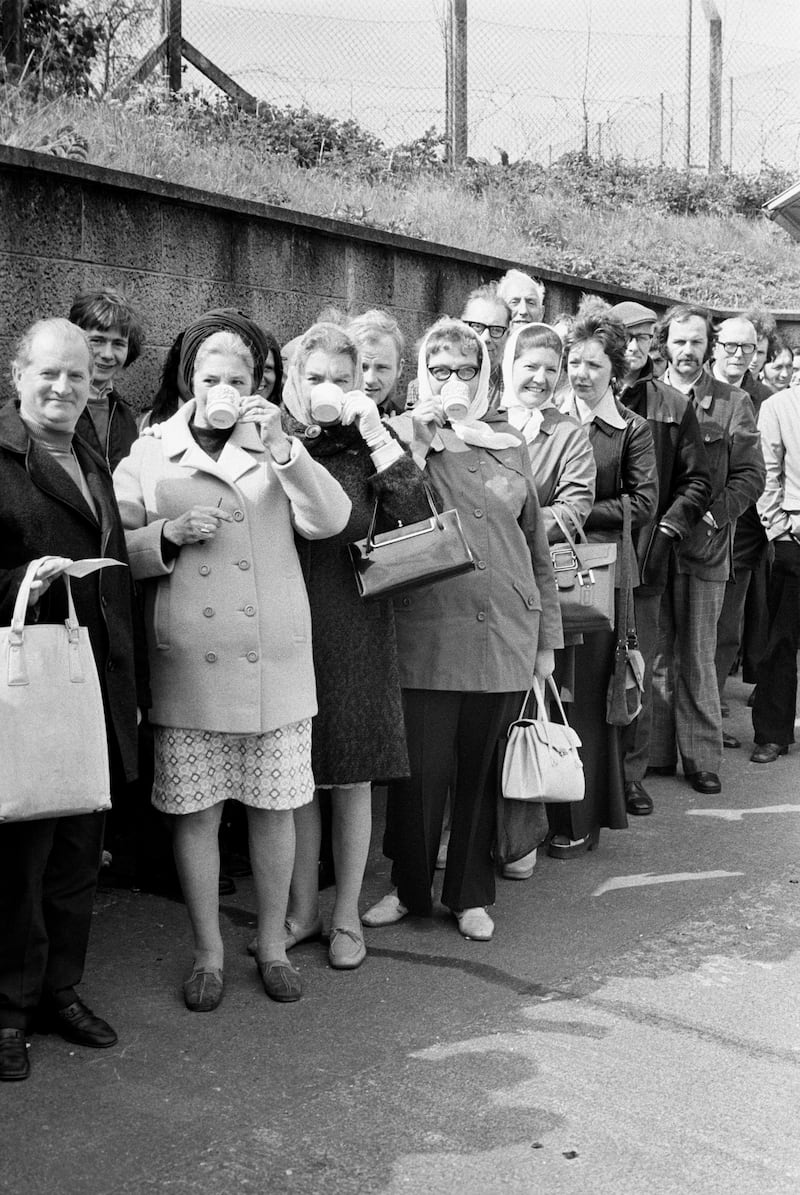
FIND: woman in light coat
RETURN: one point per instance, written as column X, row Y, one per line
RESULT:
column 210, row 518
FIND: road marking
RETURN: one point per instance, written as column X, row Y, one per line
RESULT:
column 736, row 815
column 649, row 877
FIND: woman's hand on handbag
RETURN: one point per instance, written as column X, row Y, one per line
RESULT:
column 545, row 663
column 196, row 525
column 50, row 568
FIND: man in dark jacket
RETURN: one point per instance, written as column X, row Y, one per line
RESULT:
column 684, row 493
column 57, row 501
column 686, row 706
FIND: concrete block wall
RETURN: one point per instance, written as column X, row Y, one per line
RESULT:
column 178, row 251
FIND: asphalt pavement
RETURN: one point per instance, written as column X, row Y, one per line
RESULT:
column 633, row 1027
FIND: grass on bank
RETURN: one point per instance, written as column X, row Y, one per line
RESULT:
column 726, row 260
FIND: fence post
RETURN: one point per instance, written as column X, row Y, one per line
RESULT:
column 688, row 153
column 714, row 86
column 13, row 19
column 456, row 81
column 174, row 46
column 730, row 126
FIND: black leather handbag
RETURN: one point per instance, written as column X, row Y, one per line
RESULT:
column 408, row 557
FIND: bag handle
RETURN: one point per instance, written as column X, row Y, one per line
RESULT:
column 370, row 541
column 626, row 633
column 541, row 708
column 580, row 533
column 23, row 597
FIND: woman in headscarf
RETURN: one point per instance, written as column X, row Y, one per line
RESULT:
column 469, row 646
column 358, row 732
column 211, row 515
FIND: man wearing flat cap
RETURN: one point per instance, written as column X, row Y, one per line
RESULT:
column 684, row 485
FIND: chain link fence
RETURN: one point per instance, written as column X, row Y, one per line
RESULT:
column 536, row 90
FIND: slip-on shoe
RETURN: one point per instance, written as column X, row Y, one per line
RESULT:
column 704, row 782
column 203, row 990
column 561, row 847
column 281, row 981
column 475, row 924
column 637, row 799
column 346, row 950
column 730, row 741
column 520, row 869
column 295, row 934
column 387, row 911
column 767, row 752
column 77, row 1023
column 14, row 1061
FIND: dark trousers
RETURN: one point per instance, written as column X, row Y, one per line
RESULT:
column 730, row 624
column 441, row 727
column 776, row 690
column 48, row 876
column 635, row 739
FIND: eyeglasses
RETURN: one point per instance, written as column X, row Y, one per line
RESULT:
column 443, row 372
column 495, row 330
column 643, row 339
column 731, row 347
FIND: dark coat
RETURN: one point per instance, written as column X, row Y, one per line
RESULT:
column 359, row 733
column 750, row 539
column 43, row 513
column 684, row 482
column 122, row 431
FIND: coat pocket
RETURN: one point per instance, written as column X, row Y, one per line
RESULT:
column 161, row 619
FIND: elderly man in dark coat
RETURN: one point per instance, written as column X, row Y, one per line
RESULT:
column 57, row 501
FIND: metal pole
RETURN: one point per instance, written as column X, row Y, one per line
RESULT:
column 174, row 47
column 599, row 141
column 661, row 129
column 688, row 153
column 714, row 86
column 459, row 11
column 730, row 124
column 12, row 34
column 449, row 132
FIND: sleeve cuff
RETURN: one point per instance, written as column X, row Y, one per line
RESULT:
column 386, row 455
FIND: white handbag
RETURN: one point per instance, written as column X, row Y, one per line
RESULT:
column 542, row 761
column 53, row 743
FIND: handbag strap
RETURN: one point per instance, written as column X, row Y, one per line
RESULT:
column 370, row 541
column 23, row 597
column 538, row 694
column 579, row 532
column 627, row 626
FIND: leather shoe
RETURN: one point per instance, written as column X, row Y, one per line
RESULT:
column 729, row 740
column 475, row 924
column 637, row 799
column 704, row 782
column 388, row 910
column 562, row 847
column 520, row 869
column 203, row 990
column 78, row 1024
column 295, row 934
column 767, row 752
column 666, row 769
column 14, row 1061
column 347, row 950
column 281, row 981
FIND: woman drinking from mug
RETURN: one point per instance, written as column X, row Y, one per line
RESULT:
column 210, row 506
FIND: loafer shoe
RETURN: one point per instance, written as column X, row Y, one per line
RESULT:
column 281, row 981
column 665, row 769
column 347, row 950
column 767, row 752
column 78, row 1024
column 387, row 911
column 14, row 1061
column 202, row 991
column 704, row 782
column 637, row 799
column 520, row 869
column 730, row 741
column 475, row 924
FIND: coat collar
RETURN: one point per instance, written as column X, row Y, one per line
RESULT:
column 242, row 452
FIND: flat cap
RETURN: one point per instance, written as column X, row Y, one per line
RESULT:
column 632, row 314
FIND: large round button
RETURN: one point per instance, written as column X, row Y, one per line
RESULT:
column 204, row 570
column 472, row 468
column 531, row 603
column 406, row 601
column 244, row 565
column 481, row 564
column 252, row 657
column 209, row 612
column 481, row 617
column 238, row 516
column 249, row 611
column 478, row 512
column 211, row 656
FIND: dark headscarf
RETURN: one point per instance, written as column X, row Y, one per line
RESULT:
column 221, row 319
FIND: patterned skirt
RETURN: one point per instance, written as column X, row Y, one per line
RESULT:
column 196, row 769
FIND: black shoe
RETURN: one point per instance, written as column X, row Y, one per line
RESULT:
column 704, row 782
column 78, row 1024
column 14, row 1061
column 729, row 740
column 667, row 769
column 637, row 799
column 767, row 752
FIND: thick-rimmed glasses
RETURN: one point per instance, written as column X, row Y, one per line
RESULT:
column 443, row 372
column 643, row 339
column 495, row 330
column 731, row 347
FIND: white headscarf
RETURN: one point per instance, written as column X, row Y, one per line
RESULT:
column 293, row 398
column 527, row 420
column 472, row 430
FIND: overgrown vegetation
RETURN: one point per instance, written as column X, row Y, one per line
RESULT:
column 659, row 230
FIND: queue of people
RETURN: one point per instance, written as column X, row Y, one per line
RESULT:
column 236, row 639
